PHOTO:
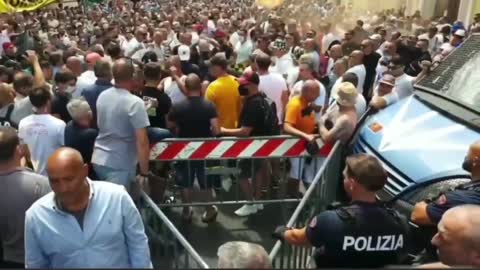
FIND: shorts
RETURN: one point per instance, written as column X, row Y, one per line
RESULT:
column 305, row 170
column 186, row 171
column 249, row 167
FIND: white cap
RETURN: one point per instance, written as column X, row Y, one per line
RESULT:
column 184, row 53
column 460, row 33
column 376, row 37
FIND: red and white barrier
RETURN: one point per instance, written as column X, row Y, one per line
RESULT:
column 232, row 148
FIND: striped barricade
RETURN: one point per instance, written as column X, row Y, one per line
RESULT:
column 233, row 148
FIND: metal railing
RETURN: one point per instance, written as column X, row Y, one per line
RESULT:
column 221, row 159
column 169, row 249
column 321, row 192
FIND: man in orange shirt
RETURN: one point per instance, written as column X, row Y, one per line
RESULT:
column 300, row 121
column 223, row 92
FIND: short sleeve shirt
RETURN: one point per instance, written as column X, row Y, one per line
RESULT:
column 119, row 115
column 223, row 92
column 436, row 209
column 253, row 115
column 192, row 117
column 296, row 117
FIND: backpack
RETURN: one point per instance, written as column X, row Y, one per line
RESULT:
column 6, row 120
column 270, row 117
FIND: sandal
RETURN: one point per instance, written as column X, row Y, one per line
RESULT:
column 210, row 215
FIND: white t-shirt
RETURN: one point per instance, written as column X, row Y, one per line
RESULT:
column 243, row 50
column 283, row 65
column 320, row 101
column 43, row 134
column 173, row 91
column 404, row 86
column 433, row 43
column 273, row 85
column 86, row 79
column 446, row 48
column 361, row 73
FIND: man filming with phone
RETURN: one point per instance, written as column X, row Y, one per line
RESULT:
column 300, row 121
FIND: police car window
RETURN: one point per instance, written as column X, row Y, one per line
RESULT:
column 465, row 84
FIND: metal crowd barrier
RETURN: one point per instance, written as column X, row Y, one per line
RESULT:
column 321, row 192
column 169, row 249
column 224, row 153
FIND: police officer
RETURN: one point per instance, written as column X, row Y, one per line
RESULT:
column 364, row 233
column 430, row 212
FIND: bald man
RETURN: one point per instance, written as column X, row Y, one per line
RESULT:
column 310, row 47
column 300, row 121
column 83, row 223
column 355, row 65
column 75, row 65
column 122, row 120
column 88, row 77
column 194, row 117
column 458, row 240
column 334, row 54
column 430, row 213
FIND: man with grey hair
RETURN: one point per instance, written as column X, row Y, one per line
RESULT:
column 458, row 239
column 242, row 255
column 78, row 133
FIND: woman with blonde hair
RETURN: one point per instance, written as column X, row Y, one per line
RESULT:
column 7, row 96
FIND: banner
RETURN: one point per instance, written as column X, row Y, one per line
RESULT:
column 11, row 6
column 270, row 4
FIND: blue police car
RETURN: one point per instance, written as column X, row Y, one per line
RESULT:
column 422, row 140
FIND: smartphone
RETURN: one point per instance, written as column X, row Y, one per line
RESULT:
column 319, row 143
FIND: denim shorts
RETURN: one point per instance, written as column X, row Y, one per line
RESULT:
column 186, row 171
column 120, row 177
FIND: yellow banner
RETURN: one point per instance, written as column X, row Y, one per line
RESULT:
column 270, row 4
column 11, row 6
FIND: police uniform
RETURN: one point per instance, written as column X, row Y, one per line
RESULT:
column 464, row 194
column 358, row 235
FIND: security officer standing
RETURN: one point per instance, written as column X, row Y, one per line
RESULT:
column 430, row 212
column 363, row 234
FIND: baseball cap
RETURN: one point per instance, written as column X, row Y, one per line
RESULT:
column 92, row 58
column 249, row 78
column 184, row 53
column 219, row 34
column 388, row 80
column 460, row 33
column 7, row 45
column 280, row 44
column 376, row 37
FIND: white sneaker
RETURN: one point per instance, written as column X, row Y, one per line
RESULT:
column 246, row 210
column 259, row 207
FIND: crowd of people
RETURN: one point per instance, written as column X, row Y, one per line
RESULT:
column 85, row 92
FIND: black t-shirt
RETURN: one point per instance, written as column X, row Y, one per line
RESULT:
column 370, row 61
column 253, row 115
column 157, row 116
column 467, row 194
column 59, row 106
column 192, row 117
column 81, row 139
column 343, row 241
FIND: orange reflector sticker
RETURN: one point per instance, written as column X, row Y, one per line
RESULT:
column 376, row 127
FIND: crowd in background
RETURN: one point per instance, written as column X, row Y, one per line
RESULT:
column 111, row 80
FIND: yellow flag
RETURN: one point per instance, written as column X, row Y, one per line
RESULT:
column 267, row 3
column 10, row 6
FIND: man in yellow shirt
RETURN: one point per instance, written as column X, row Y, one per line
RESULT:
column 223, row 92
column 300, row 121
